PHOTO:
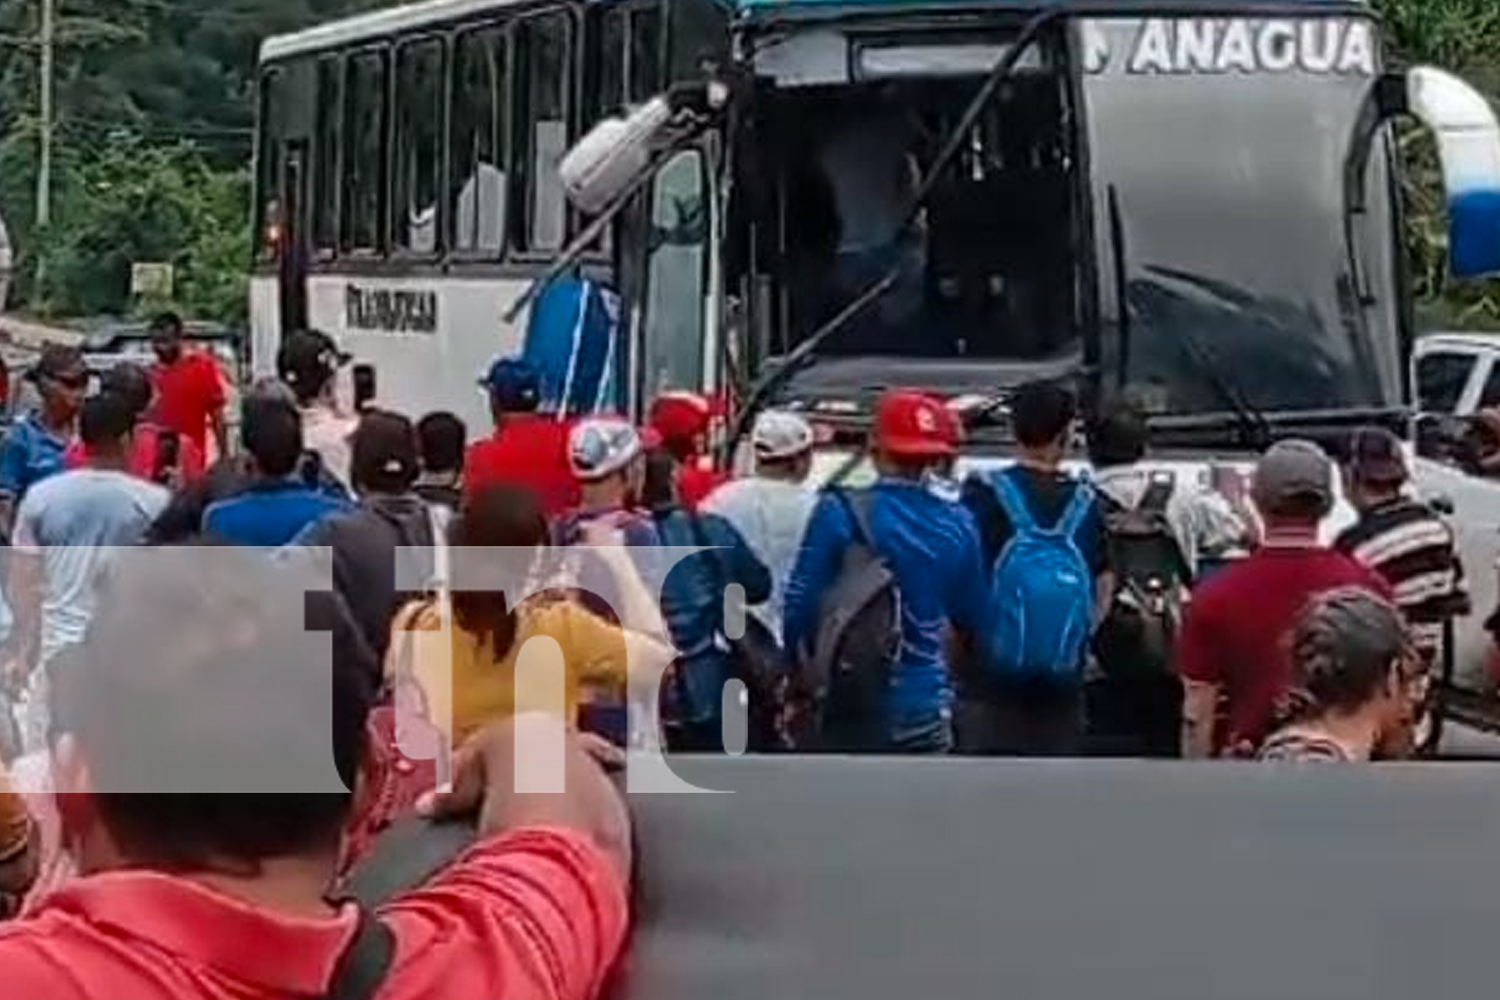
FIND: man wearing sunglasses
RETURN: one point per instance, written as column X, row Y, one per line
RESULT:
column 34, row 446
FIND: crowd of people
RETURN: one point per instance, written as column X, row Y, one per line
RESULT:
column 1029, row 610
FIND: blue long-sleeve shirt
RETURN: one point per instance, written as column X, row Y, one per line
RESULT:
column 692, row 603
column 932, row 546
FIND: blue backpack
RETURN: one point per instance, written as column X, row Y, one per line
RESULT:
column 1041, row 591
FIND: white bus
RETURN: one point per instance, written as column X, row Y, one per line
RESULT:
column 407, row 188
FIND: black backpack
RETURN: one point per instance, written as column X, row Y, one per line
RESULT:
column 1151, row 578
column 840, row 684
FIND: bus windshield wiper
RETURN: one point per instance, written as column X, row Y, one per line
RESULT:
column 1255, row 429
column 800, row 356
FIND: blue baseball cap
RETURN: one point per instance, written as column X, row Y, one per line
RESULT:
column 513, row 384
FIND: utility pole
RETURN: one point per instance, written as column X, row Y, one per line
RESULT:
column 44, row 168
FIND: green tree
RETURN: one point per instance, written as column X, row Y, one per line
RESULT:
column 1462, row 36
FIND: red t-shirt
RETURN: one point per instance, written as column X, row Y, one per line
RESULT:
column 188, row 392
column 529, row 450
column 143, row 452
column 535, row 915
column 1236, row 631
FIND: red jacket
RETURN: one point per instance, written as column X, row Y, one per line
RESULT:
column 531, row 451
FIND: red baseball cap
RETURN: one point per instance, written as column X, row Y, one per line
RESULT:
column 680, row 416
column 912, row 424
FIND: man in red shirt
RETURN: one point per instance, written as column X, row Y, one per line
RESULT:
column 156, row 455
column 681, row 420
column 190, row 394
column 222, row 895
column 528, row 449
column 1233, row 643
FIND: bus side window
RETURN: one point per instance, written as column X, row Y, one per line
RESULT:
column 326, row 156
column 363, row 164
column 609, row 64
column 478, row 187
column 544, row 84
column 419, row 153
column 645, row 55
column 268, row 162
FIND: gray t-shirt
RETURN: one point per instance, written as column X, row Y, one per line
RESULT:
column 71, row 521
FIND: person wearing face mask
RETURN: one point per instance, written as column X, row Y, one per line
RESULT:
column 190, row 391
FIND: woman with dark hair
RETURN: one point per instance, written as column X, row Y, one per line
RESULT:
column 1357, row 669
column 499, row 553
column 34, row 445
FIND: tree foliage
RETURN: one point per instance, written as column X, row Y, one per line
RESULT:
column 1462, row 36
column 155, row 111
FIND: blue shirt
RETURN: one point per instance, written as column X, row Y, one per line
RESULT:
column 29, row 454
column 269, row 515
column 692, row 604
column 932, row 546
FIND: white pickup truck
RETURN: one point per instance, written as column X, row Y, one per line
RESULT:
column 1457, row 373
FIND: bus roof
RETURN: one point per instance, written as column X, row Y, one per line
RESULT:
column 376, row 24
column 408, row 17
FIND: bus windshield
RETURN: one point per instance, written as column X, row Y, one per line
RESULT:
column 986, row 270
column 1229, row 192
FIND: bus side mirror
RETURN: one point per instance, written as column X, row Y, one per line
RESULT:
column 1468, row 142
column 604, row 164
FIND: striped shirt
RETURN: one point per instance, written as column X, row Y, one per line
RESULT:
column 1292, row 746
column 1408, row 544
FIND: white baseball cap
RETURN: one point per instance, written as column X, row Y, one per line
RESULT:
column 601, row 447
column 780, row 435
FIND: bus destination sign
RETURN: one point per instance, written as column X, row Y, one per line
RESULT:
column 1322, row 46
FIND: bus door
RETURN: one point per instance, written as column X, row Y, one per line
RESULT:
column 674, row 316
column 293, row 267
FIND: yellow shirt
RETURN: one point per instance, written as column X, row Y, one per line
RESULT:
column 467, row 687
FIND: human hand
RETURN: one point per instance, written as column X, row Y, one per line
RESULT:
column 524, row 751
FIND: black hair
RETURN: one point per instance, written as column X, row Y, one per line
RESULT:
column 442, row 438
column 1042, row 412
column 167, row 322
column 131, row 381
column 495, row 518
column 659, row 487
column 383, row 453
column 1119, row 435
column 211, row 752
column 271, row 431
column 1344, row 647
column 105, row 420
